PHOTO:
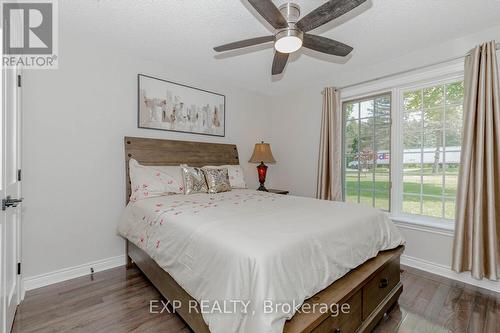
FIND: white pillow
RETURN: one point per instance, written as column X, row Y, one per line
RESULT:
column 154, row 181
column 235, row 172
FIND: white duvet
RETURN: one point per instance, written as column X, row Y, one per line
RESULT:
column 255, row 250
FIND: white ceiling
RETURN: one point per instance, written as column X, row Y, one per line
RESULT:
column 182, row 33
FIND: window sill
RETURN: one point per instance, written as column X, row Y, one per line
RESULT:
column 424, row 224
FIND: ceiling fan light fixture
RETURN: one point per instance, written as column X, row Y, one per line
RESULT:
column 288, row 41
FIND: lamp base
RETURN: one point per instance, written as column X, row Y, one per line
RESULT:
column 262, row 188
column 261, row 170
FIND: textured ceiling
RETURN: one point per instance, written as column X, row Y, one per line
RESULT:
column 182, row 33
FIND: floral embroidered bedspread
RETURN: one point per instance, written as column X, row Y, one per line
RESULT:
column 242, row 253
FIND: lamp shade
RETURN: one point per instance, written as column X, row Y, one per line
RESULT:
column 262, row 153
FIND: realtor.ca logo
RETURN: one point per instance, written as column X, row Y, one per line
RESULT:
column 30, row 34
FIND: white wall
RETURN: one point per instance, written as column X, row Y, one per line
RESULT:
column 75, row 119
column 296, row 119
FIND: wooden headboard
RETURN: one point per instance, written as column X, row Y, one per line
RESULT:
column 172, row 152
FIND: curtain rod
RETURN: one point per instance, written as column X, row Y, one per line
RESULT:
column 408, row 70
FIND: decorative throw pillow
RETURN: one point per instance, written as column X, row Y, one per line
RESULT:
column 153, row 181
column 217, row 180
column 194, row 180
column 174, row 171
column 236, row 176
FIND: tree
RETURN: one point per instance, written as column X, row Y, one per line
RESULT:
column 434, row 103
column 355, row 145
column 433, row 118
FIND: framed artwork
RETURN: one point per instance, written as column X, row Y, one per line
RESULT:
column 169, row 106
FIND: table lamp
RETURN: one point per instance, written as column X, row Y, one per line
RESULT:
column 262, row 153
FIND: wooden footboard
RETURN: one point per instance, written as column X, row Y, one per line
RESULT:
column 370, row 290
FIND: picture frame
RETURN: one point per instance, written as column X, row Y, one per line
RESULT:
column 170, row 106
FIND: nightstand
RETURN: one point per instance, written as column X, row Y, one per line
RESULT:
column 285, row 192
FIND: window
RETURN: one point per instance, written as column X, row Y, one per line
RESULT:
column 431, row 139
column 367, row 151
column 409, row 166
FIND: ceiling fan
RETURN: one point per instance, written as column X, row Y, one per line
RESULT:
column 291, row 33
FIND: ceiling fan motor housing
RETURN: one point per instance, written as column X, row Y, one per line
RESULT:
column 289, row 32
column 291, row 12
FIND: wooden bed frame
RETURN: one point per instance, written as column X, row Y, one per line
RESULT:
column 371, row 289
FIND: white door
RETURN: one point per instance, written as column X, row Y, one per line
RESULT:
column 10, row 194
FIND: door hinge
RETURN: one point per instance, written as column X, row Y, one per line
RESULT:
column 19, row 80
column 18, row 268
column 19, row 175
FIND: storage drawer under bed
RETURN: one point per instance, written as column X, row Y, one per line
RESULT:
column 375, row 290
column 344, row 322
column 363, row 302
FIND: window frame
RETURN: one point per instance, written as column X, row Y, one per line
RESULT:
column 445, row 73
column 360, row 99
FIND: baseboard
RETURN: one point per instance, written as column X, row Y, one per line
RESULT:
column 64, row 274
column 61, row 275
column 446, row 271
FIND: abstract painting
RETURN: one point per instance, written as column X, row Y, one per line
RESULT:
column 170, row 106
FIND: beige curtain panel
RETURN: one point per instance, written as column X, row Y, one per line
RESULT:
column 477, row 232
column 329, row 185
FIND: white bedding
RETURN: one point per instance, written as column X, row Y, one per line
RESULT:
column 255, row 247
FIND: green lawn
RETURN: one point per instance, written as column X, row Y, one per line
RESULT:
column 429, row 204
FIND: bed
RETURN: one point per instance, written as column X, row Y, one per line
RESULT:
column 243, row 249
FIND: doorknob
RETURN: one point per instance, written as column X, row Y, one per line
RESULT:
column 9, row 202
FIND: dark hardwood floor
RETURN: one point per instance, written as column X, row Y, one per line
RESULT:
column 118, row 300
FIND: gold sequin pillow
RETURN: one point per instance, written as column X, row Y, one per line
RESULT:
column 194, row 180
column 217, row 179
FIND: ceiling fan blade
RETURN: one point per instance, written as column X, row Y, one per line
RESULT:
column 270, row 13
column 326, row 45
column 327, row 12
column 244, row 43
column 279, row 62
